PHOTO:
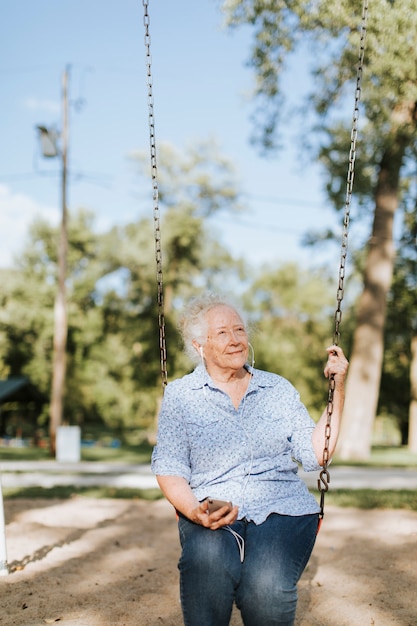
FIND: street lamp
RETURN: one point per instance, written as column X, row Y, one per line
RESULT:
column 49, row 141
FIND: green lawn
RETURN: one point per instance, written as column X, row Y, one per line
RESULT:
column 67, row 491
column 360, row 498
column 380, row 456
column 125, row 454
column 373, row 498
column 384, row 456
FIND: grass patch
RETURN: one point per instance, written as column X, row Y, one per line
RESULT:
column 393, row 457
column 23, row 454
column 381, row 456
column 354, row 498
column 373, row 498
column 134, row 455
column 66, row 492
column 384, row 456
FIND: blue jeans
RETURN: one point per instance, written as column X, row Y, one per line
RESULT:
column 262, row 582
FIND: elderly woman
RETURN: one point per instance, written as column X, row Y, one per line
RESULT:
column 233, row 433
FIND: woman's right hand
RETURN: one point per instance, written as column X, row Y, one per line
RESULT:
column 222, row 517
column 177, row 490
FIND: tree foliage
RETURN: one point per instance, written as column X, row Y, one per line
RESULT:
column 113, row 369
column 329, row 32
column 292, row 314
column 113, row 373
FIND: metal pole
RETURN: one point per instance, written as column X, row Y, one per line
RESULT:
column 60, row 313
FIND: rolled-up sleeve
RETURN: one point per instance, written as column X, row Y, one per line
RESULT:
column 170, row 456
column 301, row 437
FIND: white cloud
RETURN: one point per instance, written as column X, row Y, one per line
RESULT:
column 17, row 211
column 49, row 106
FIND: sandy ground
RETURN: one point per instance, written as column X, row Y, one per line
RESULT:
column 86, row 562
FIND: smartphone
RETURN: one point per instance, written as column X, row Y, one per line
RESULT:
column 214, row 505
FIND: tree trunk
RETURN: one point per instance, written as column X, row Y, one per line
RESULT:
column 362, row 385
column 412, row 423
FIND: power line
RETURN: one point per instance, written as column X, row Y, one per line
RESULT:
column 22, row 176
column 278, row 200
column 99, row 178
column 26, row 70
column 261, row 225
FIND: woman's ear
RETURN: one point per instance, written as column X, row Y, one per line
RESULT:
column 199, row 348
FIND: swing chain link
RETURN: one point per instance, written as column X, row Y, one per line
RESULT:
column 350, row 175
column 155, row 196
column 324, row 477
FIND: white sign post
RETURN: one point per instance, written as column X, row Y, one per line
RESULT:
column 68, row 444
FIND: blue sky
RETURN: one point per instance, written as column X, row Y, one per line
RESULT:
column 201, row 88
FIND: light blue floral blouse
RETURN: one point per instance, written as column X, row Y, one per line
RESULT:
column 248, row 455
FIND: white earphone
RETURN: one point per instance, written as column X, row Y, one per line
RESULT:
column 253, row 354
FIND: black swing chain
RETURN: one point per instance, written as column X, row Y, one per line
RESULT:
column 324, row 478
column 155, row 195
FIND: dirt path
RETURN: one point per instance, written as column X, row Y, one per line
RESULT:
column 86, row 562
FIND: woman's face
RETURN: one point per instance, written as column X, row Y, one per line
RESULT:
column 227, row 341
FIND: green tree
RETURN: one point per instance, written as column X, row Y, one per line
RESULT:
column 195, row 185
column 292, row 313
column 387, row 144
column 26, row 318
column 113, row 375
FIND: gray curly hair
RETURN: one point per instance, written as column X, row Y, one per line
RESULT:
column 193, row 324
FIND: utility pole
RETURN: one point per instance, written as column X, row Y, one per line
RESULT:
column 60, row 311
